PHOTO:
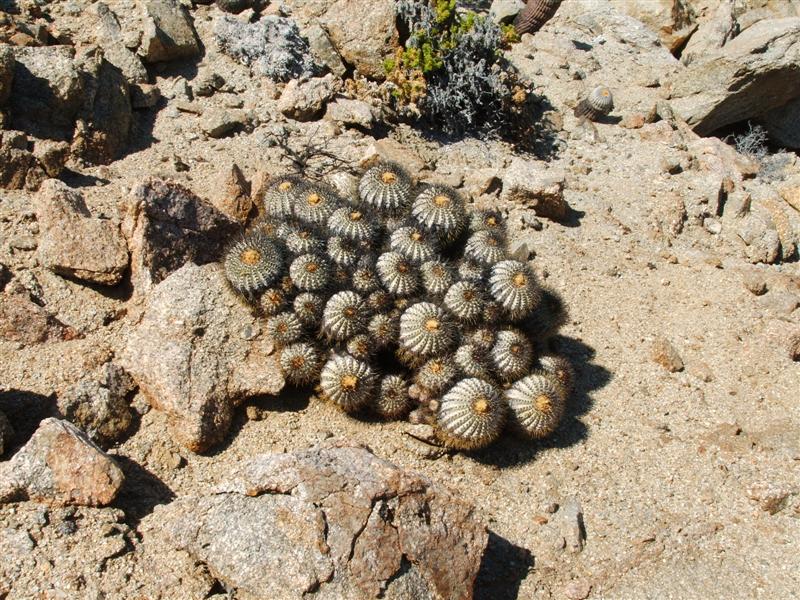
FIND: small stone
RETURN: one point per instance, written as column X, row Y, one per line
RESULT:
column 23, row 242
column 737, row 204
column 755, row 283
column 218, row 122
column 665, row 354
column 781, row 302
column 350, row 112
column 207, row 82
column 98, row 404
column 633, row 121
column 60, row 465
column 24, row 321
column 763, row 242
column 305, row 101
column 671, row 164
column 771, row 499
column 794, row 347
column 712, row 225
column 235, row 198
column 578, row 589
column 532, row 184
column 504, row 11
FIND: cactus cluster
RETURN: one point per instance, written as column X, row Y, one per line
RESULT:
column 395, row 298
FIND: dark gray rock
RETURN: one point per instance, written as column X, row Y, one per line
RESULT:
column 49, row 92
column 167, row 226
column 168, row 32
column 6, row 73
column 6, row 433
column 189, row 358
column 111, row 39
column 331, row 522
column 98, row 404
column 104, row 122
column 272, row 46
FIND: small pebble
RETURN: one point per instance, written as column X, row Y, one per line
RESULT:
column 755, row 283
column 665, row 354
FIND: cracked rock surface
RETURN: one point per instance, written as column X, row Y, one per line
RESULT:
column 331, row 522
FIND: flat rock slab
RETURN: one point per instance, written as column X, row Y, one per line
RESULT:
column 75, row 244
column 754, row 73
column 59, row 465
column 330, row 522
column 195, row 356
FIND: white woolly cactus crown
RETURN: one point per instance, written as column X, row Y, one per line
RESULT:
column 365, row 294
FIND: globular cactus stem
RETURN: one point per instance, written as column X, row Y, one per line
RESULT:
column 535, row 14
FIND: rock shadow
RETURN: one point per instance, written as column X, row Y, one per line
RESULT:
column 503, row 567
column 291, row 399
column 512, row 450
column 141, row 491
column 25, row 410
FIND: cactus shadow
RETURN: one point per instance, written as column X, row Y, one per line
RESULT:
column 141, row 491
column 503, row 568
column 512, row 450
column 25, row 410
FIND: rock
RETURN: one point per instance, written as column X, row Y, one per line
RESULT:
column 504, row 11
column 111, row 39
column 98, row 404
column 350, row 112
column 754, row 73
column 19, row 168
column 323, row 50
column 49, row 92
column 763, row 243
column 665, row 354
column 305, row 101
column 578, row 589
column 794, row 347
column 51, row 155
column 755, row 283
column 672, row 20
column 144, row 95
column 737, row 204
column 363, row 32
column 6, row 74
column 187, row 356
column 59, row 465
column 330, row 522
column 167, row 226
column 6, row 433
column 711, row 34
column 715, row 156
column 234, row 200
column 782, row 302
column 533, row 185
column 570, row 523
column 72, row 242
column 272, row 46
column 220, row 121
column 787, row 235
column 104, row 122
column 168, row 32
column 207, row 82
column 234, row 6
column 24, row 321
